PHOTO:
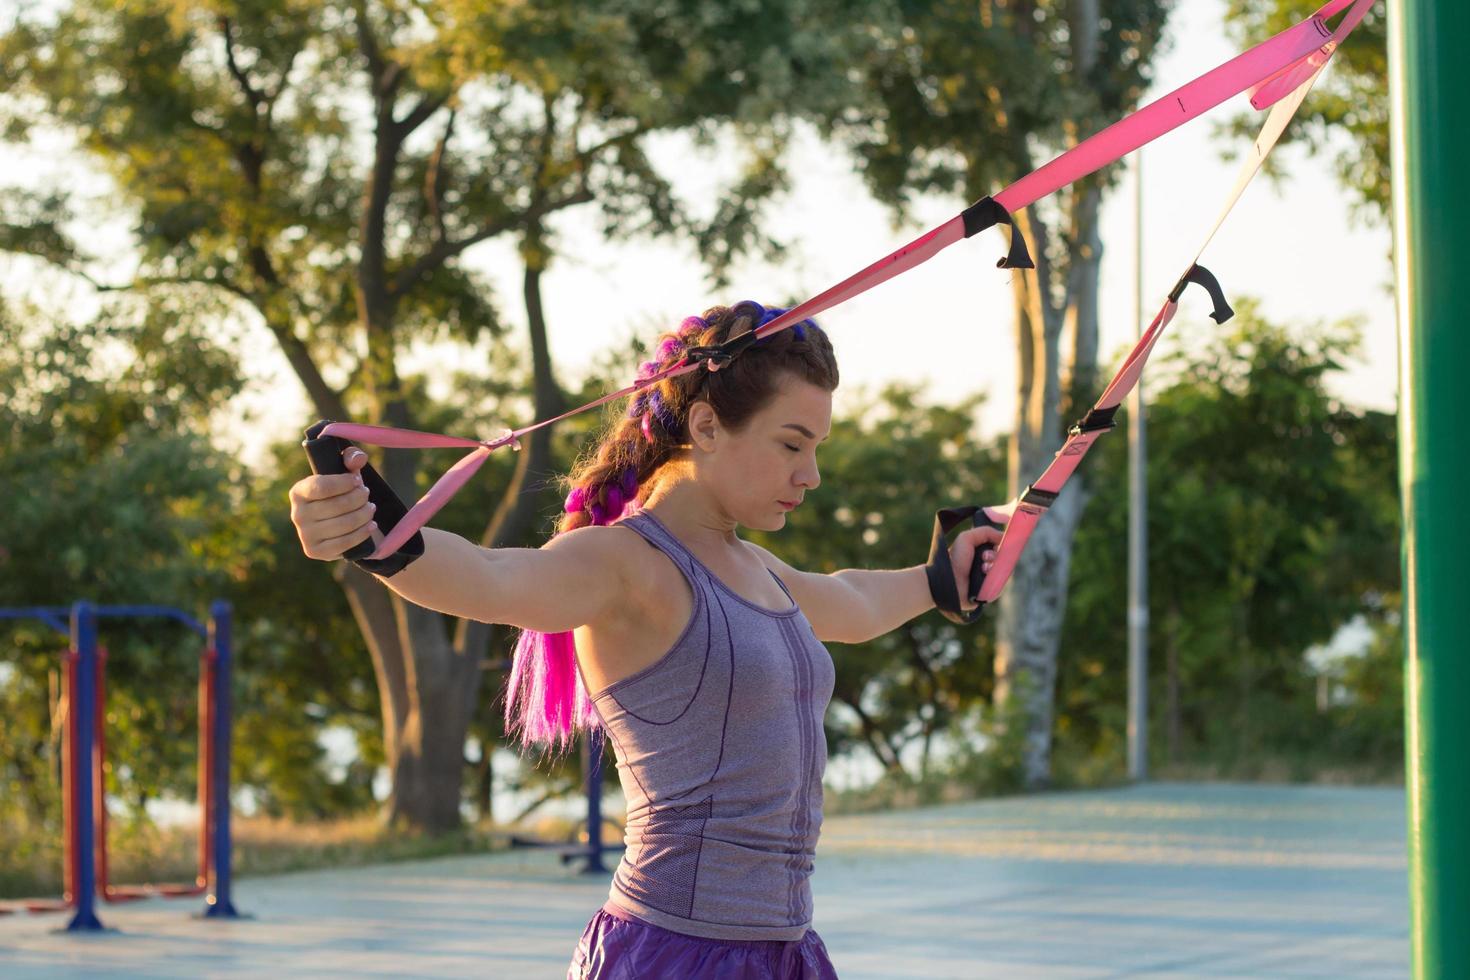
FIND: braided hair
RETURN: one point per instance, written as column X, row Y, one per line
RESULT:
column 545, row 699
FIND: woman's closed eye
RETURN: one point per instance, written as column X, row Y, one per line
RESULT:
column 794, row 449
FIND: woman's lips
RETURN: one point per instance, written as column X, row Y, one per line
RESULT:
column 788, row 504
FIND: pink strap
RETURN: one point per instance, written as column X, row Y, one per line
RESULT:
column 1286, row 63
column 1033, row 504
column 1268, row 60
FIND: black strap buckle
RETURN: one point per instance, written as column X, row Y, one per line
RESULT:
column 1096, row 420
column 719, row 355
column 1041, row 499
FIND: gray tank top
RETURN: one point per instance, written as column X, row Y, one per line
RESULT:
column 720, row 752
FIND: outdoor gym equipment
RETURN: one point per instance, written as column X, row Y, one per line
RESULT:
column 84, row 810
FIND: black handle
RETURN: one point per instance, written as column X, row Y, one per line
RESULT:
column 1203, row 277
column 325, row 456
column 939, row 571
column 977, row 568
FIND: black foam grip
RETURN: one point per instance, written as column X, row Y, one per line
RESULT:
column 940, row 572
column 325, row 455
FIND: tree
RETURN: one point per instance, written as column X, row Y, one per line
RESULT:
column 963, row 99
column 328, row 166
column 1273, row 517
column 118, row 496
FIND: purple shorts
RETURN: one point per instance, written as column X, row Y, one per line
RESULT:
column 616, row 946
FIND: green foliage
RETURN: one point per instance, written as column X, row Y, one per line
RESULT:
column 242, row 134
column 1272, row 522
column 117, row 496
column 240, row 138
column 967, row 97
column 323, row 167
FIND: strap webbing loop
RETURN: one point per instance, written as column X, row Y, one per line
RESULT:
column 986, row 213
column 1279, row 71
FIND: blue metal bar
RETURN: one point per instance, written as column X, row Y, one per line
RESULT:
column 217, row 902
column 53, row 616
column 84, row 703
column 80, row 621
column 593, row 743
column 57, row 615
column 165, row 612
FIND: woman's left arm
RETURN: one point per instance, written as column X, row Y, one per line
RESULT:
column 857, row 604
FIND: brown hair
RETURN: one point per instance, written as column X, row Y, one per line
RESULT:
column 545, row 699
column 632, row 449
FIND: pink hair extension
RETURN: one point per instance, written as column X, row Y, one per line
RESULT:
column 546, row 701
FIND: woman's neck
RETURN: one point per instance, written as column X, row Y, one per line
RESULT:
column 694, row 519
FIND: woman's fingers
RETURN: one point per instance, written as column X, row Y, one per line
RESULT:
column 326, row 540
column 332, row 512
column 977, row 544
column 336, row 525
column 316, row 488
column 338, row 546
column 329, row 518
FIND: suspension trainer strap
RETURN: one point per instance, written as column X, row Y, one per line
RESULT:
column 1277, row 72
column 1041, row 494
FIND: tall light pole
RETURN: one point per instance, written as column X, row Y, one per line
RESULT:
column 1137, row 524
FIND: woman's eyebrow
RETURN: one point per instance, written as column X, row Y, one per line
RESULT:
column 800, row 428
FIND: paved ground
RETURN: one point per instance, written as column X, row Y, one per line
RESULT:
column 1158, row 881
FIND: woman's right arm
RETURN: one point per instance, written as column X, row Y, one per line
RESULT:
column 575, row 579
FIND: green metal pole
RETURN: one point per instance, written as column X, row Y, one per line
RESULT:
column 1430, row 82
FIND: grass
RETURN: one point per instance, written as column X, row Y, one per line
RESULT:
column 139, row 852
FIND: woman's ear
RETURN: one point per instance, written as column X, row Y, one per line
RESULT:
column 703, row 425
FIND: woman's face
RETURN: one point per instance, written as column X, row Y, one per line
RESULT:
column 760, row 472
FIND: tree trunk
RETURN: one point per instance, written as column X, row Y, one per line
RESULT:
column 431, row 685
column 1034, row 605
column 485, row 785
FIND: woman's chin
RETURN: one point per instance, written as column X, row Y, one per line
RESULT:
column 767, row 522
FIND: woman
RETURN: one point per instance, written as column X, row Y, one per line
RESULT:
column 698, row 654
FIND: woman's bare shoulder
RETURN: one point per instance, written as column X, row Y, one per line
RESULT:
column 645, row 577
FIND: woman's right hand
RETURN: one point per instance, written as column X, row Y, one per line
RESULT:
column 332, row 512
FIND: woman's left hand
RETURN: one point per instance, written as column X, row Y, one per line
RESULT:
column 977, row 540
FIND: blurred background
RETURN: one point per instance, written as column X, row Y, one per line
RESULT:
column 221, row 221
